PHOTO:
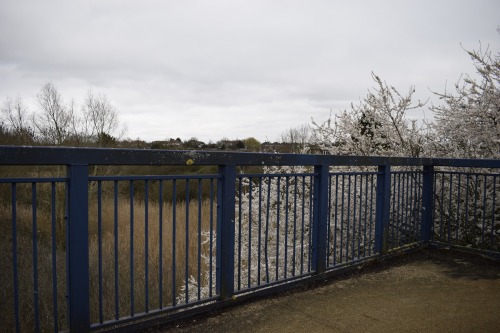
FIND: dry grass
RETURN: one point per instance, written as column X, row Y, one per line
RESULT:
column 146, row 249
column 147, row 254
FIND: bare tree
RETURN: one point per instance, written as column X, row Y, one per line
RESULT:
column 54, row 120
column 100, row 118
column 298, row 137
column 15, row 117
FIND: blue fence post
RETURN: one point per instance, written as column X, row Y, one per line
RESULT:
column 427, row 211
column 78, row 248
column 320, row 218
column 382, row 209
column 226, row 199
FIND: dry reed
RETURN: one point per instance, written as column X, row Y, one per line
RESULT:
column 148, row 256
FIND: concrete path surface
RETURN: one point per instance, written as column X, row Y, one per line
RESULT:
column 428, row 291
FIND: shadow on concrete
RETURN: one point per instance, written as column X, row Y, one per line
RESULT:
column 466, row 265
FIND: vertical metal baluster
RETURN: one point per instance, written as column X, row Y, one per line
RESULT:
column 186, row 270
column 432, row 203
column 476, row 194
column 459, row 189
column 359, row 211
column 450, row 212
column 211, row 242
column 372, row 188
column 419, row 195
column 399, row 213
column 160, row 245
column 466, row 222
column 54, row 256
column 336, row 220
column 408, row 189
column 406, row 208
column 239, row 230
column 36, row 305
column 174, row 238
column 434, row 196
column 199, row 238
column 360, row 214
column 493, row 211
column 287, row 181
column 99, row 244
column 392, row 224
column 249, row 262
column 259, row 240
column 329, row 220
column 266, row 255
column 399, row 204
column 303, row 225
column 404, row 211
column 409, row 207
column 115, row 231
column 484, row 209
column 396, row 179
column 311, row 205
column 294, row 226
column 132, row 305
column 146, row 245
column 14, row 257
column 342, row 218
column 365, row 244
column 412, row 179
column 348, row 216
column 415, row 207
column 354, row 215
column 278, row 186
column 441, row 225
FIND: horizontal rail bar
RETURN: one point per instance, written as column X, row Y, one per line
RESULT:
column 356, row 173
column 465, row 173
column 267, row 175
column 14, row 155
column 33, row 179
column 152, row 177
column 406, row 172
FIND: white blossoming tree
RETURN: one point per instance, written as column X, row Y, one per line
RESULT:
column 379, row 125
column 272, row 231
column 467, row 125
column 274, row 211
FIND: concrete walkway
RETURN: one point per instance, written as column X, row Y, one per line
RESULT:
column 428, row 291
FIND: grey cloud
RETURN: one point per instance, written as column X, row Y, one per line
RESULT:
column 219, row 61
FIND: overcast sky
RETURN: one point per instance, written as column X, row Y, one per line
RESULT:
column 213, row 69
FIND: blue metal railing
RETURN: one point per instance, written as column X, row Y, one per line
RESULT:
column 351, row 217
column 272, row 232
column 466, row 208
column 90, row 252
column 147, row 233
